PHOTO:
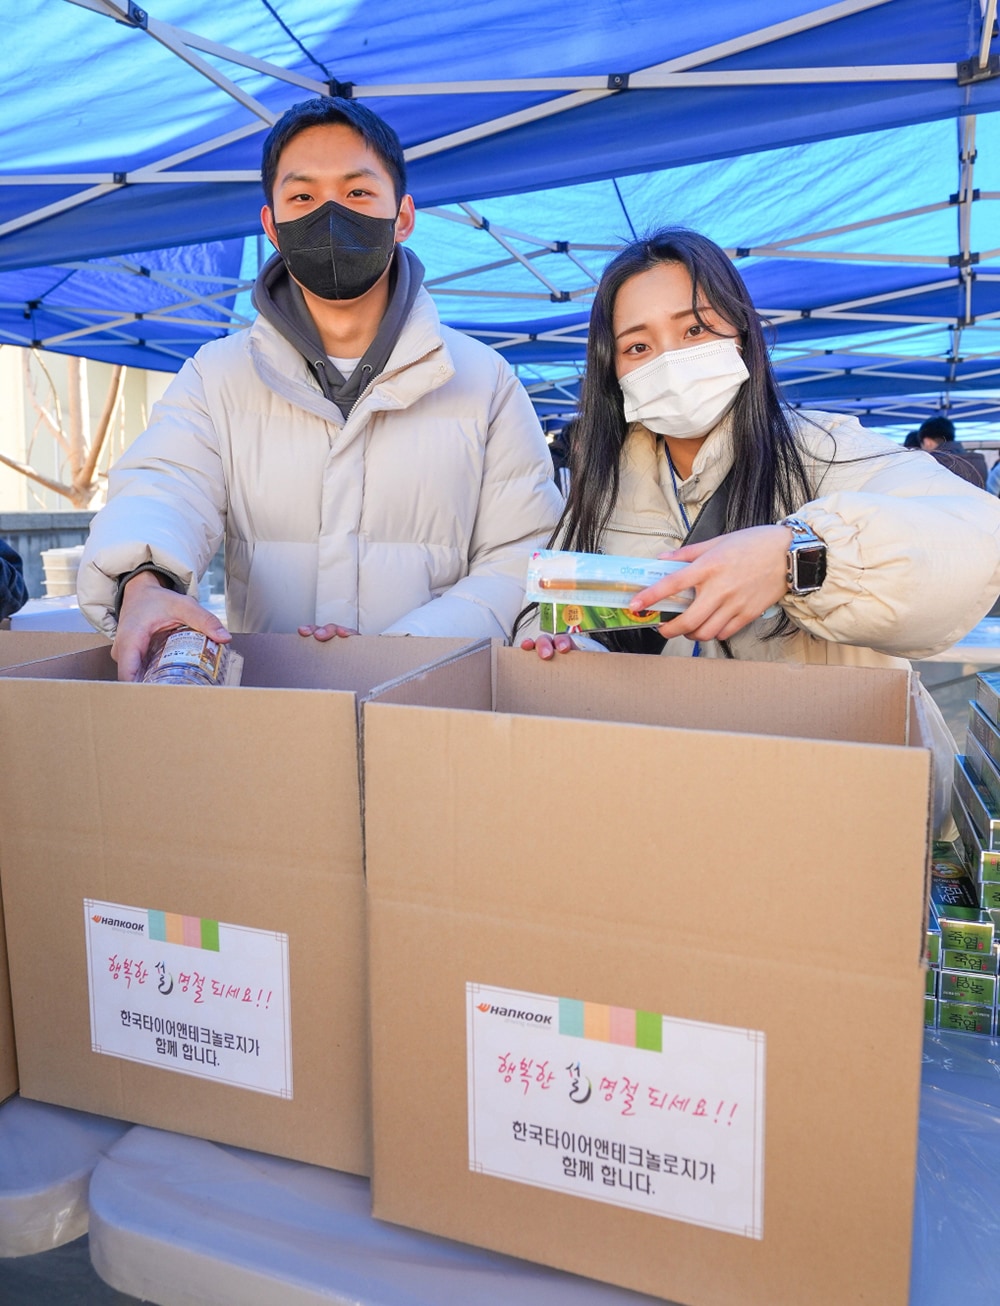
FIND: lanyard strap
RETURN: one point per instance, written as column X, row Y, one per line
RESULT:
column 696, row 650
column 677, row 496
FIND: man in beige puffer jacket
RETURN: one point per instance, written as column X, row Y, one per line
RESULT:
column 370, row 470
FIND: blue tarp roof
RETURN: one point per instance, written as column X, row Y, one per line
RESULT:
column 823, row 146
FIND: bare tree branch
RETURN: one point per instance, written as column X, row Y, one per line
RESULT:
column 111, row 401
column 54, row 423
column 82, row 453
column 32, row 475
column 79, row 415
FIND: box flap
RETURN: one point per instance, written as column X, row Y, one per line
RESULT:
column 356, row 664
column 17, row 646
column 861, row 704
column 746, row 845
column 87, row 664
column 463, row 681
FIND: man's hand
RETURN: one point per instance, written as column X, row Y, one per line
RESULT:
column 323, row 633
column 735, row 578
column 147, row 608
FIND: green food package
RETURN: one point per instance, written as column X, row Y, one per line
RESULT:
column 983, row 963
column 969, row 935
column 967, row 986
column 965, row 1018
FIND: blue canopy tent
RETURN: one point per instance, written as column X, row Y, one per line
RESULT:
column 849, row 156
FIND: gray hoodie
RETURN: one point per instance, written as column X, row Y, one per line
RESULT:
column 280, row 300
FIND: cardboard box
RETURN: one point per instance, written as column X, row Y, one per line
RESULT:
column 614, row 855
column 162, row 843
column 17, row 648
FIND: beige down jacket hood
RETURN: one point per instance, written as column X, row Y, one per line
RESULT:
column 415, row 516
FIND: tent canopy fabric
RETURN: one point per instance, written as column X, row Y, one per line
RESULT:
column 162, row 145
column 848, row 156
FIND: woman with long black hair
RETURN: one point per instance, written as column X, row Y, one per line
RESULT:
column 684, row 448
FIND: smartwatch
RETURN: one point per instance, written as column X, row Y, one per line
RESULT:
column 805, row 569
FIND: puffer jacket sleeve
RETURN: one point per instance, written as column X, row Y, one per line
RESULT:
column 13, row 591
column 166, row 502
column 519, row 505
column 913, row 551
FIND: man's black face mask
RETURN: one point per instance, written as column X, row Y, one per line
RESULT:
column 335, row 252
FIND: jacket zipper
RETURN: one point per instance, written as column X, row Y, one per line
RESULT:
column 400, row 367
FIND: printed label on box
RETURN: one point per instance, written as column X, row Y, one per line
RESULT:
column 629, row 1107
column 197, row 996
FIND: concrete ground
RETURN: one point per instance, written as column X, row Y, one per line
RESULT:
column 62, row 1277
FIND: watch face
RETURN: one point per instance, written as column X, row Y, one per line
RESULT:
column 809, row 568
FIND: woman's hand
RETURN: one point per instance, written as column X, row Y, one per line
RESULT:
column 735, row 578
column 546, row 646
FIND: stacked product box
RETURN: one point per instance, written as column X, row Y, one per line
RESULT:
column 964, row 927
column 961, row 949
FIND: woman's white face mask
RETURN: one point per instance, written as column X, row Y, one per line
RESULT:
column 685, row 392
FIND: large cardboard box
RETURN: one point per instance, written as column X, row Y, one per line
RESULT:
column 184, row 892
column 16, row 648
column 647, row 987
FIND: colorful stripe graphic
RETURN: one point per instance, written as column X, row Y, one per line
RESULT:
column 192, row 931
column 595, row 1020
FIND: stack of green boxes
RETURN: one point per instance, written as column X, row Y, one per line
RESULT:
column 962, row 950
column 963, row 937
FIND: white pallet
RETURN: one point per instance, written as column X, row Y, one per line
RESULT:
column 47, row 1155
column 182, row 1222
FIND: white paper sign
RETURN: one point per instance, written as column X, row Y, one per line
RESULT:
column 633, row 1108
column 197, row 996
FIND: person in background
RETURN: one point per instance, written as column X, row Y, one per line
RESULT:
column 937, row 437
column 13, row 591
column 559, row 450
column 370, row 470
column 993, row 479
column 912, row 440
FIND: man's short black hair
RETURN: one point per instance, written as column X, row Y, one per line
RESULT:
column 373, row 130
column 938, row 428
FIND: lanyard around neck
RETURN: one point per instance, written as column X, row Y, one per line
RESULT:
column 677, row 494
column 696, row 650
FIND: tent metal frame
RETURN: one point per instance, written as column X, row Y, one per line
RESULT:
column 559, row 268
column 681, row 72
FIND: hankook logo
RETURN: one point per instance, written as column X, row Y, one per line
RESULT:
column 119, row 924
column 512, row 1013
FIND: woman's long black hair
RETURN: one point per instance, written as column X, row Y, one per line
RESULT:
column 769, row 479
